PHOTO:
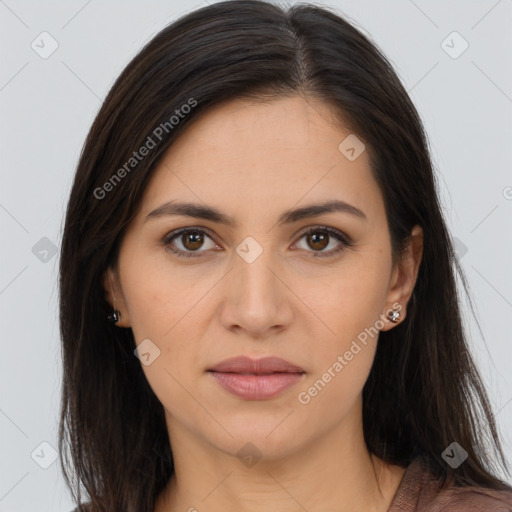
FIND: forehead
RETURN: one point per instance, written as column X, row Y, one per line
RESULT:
column 244, row 152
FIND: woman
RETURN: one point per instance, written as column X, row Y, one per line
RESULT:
column 258, row 298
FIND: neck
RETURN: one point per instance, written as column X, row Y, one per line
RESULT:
column 335, row 472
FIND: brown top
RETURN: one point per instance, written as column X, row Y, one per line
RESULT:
column 418, row 492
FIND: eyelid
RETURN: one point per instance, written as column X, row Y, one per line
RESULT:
column 171, row 235
column 176, row 232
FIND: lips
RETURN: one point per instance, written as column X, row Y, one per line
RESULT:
column 264, row 366
column 256, row 379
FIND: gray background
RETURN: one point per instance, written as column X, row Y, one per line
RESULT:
column 47, row 106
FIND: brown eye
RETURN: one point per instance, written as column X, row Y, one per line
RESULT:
column 188, row 242
column 317, row 241
column 192, row 240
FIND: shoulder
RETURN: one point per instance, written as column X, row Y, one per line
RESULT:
column 470, row 499
column 420, row 491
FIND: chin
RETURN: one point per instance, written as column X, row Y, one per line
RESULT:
column 266, row 439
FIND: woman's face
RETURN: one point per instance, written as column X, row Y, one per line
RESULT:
column 260, row 286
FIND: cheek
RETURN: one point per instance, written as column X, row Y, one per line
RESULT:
column 161, row 309
column 156, row 298
column 331, row 395
column 350, row 302
column 344, row 354
column 164, row 307
column 349, row 306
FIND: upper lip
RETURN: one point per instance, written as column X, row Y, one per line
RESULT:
column 265, row 365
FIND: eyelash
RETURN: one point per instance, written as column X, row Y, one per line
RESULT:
column 346, row 242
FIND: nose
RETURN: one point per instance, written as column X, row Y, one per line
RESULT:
column 258, row 300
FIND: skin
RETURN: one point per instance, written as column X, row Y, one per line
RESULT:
column 253, row 160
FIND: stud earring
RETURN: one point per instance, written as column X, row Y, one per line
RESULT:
column 393, row 316
column 114, row 316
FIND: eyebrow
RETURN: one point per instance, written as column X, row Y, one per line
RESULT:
column 288, row 217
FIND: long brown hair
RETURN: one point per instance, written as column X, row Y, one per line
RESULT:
column 423, row 392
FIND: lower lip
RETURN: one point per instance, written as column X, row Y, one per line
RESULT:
column 256, row 387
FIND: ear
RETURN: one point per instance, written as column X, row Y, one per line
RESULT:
column 403, row 278
column 112, row 289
